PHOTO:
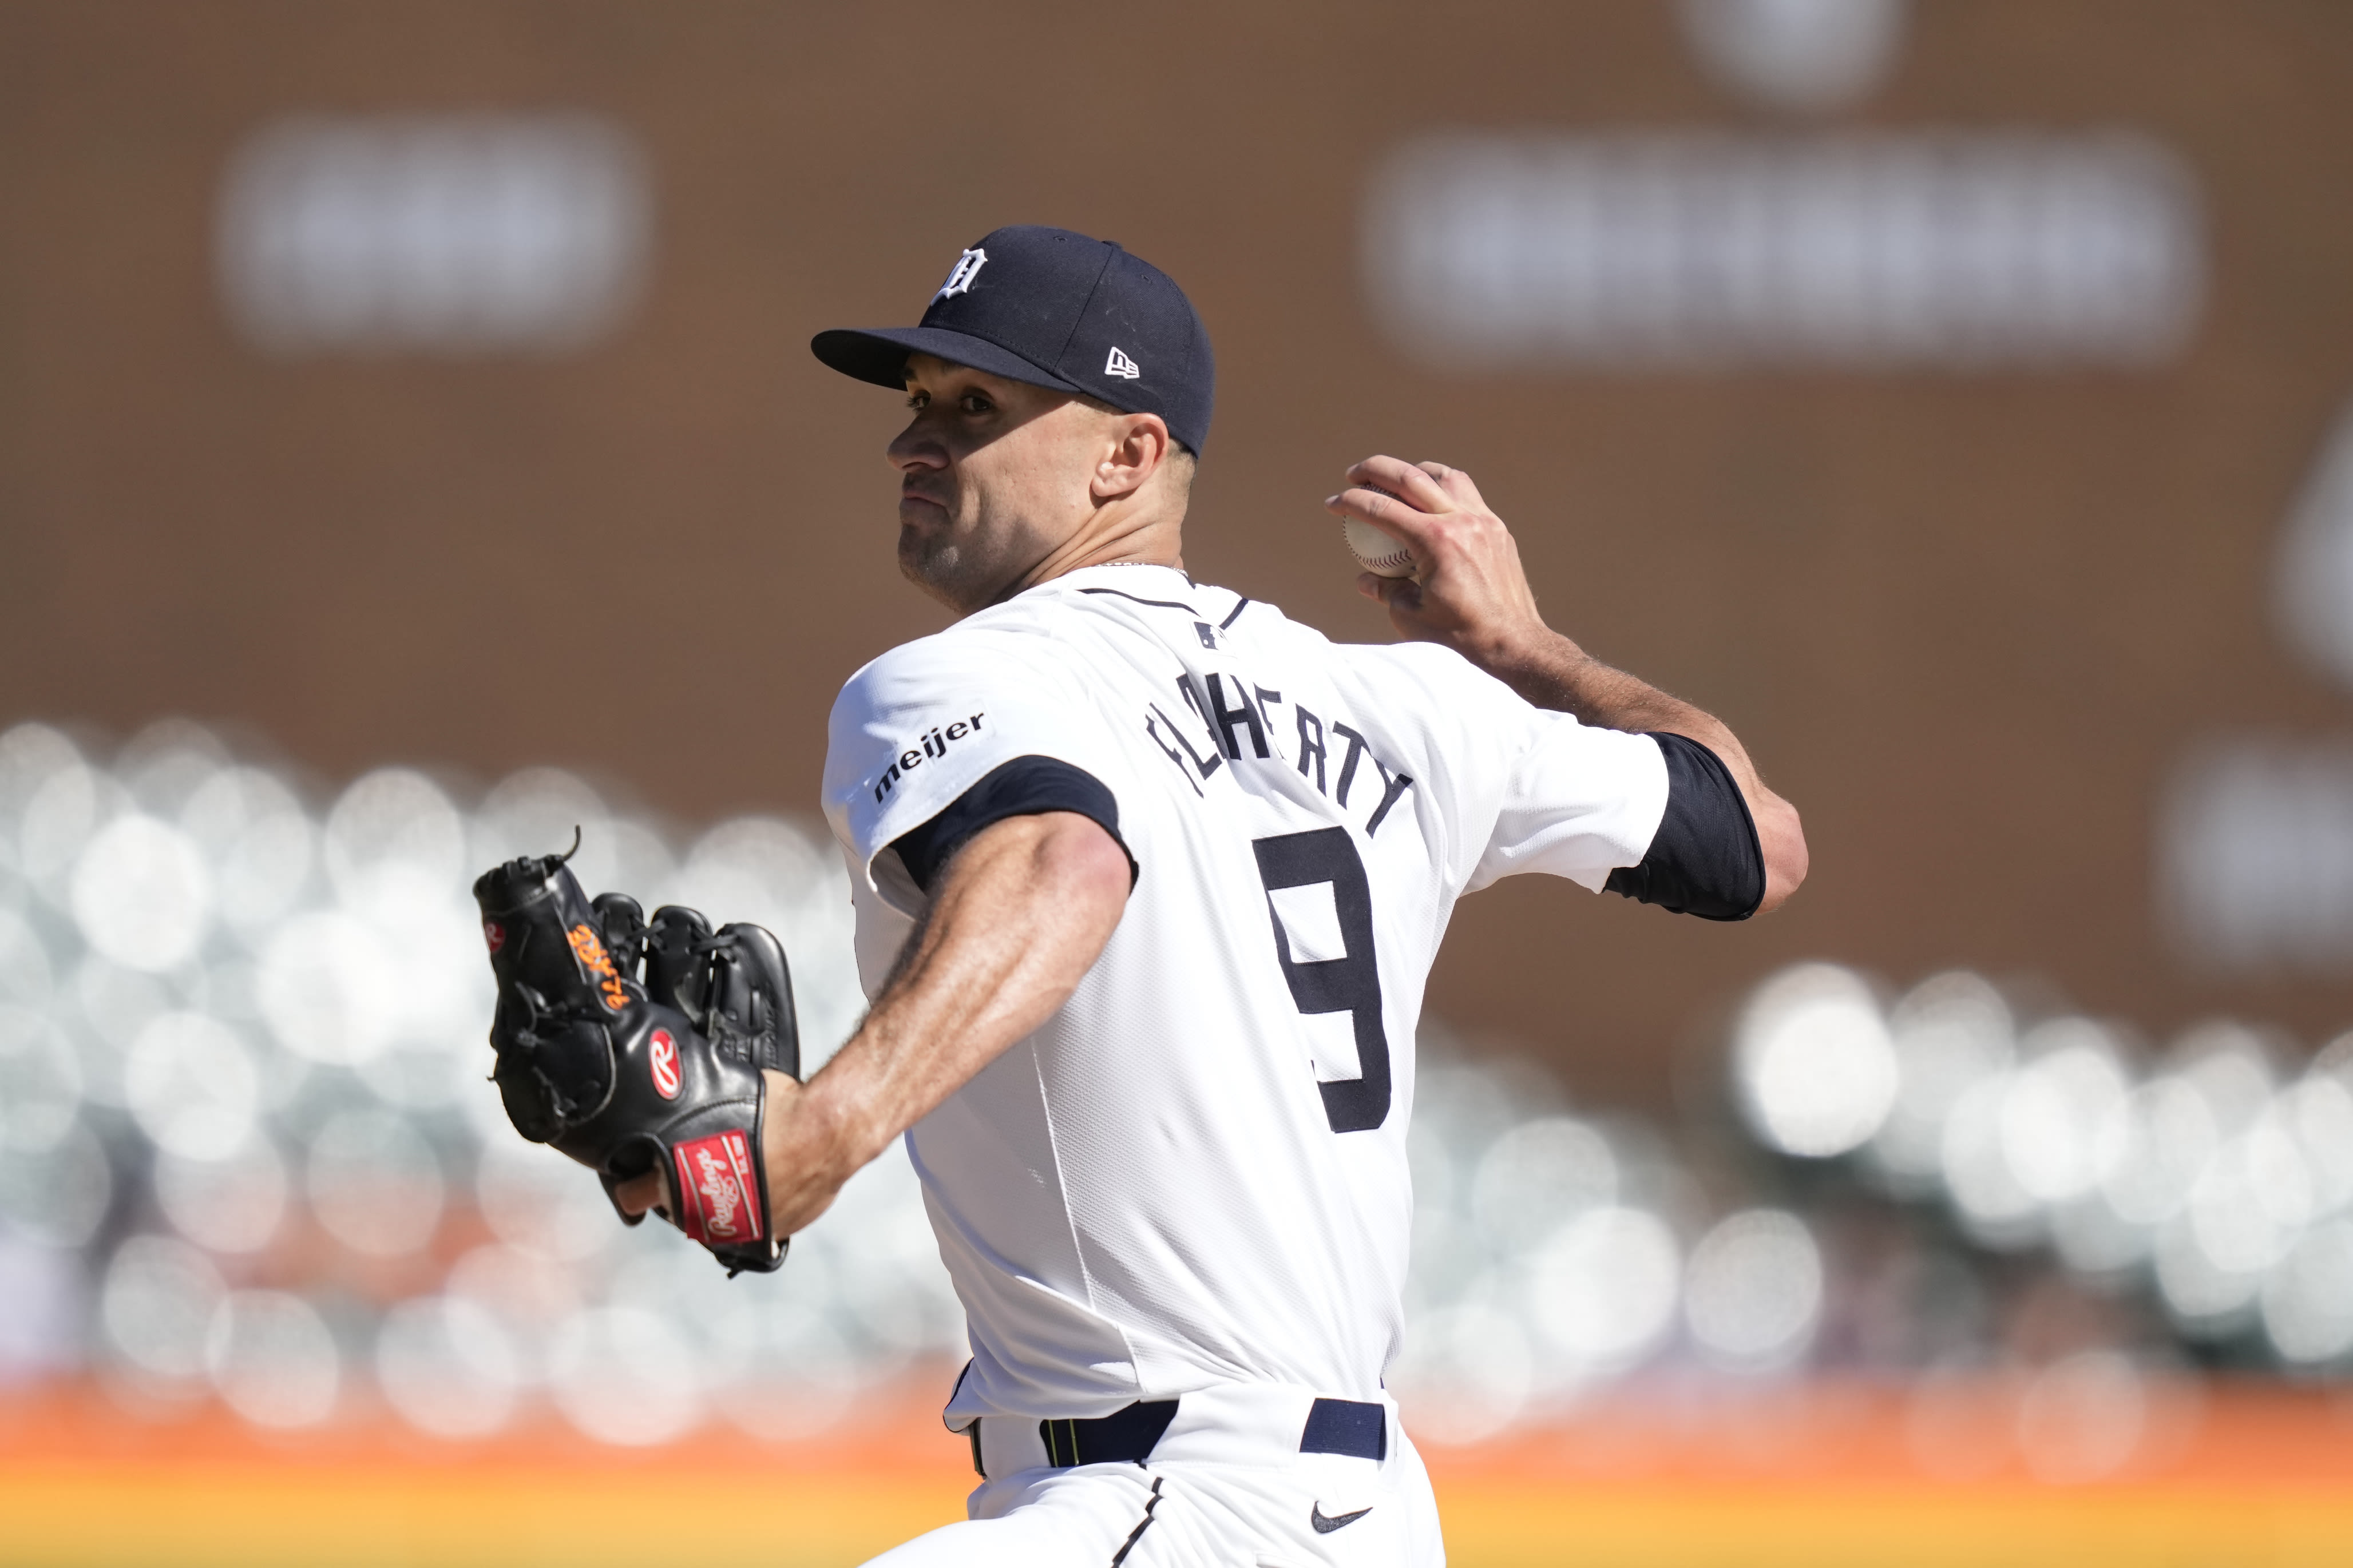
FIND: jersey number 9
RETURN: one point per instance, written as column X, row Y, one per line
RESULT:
column 1350, row 984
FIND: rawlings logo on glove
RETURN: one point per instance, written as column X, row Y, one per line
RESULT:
column 720, row 1202
column 628, row 1073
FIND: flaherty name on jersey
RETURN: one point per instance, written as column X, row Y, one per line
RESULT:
column 1328, row 755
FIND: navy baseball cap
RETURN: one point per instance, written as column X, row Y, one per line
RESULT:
column 1054, row 309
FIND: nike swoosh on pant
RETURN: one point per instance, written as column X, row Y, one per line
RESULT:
column 1327, row 1526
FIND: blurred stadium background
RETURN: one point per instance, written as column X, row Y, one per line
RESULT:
column 408, row 450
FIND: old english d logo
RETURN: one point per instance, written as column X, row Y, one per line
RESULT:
column 961, row 275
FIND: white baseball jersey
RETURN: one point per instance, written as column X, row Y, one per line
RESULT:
column 1194, row 1173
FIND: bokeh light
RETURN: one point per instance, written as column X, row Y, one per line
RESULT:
column 626, row 1376
column 375, row 1182
column 157, row 1306
column 270, row 1172
column 1949, row 1032
column 227, row 1203
column 2082, row 1417
column 2307, row 1298
column 272, row 1359
column 192, row 1085
column 446, row 1366
column 57, row 1194
column 1601, row 1290
column 244, row 1107
column 141, row 894
column 1817, row 1068
column 1755, row 1290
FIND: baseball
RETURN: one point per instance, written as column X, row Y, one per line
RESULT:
column 1376, row 552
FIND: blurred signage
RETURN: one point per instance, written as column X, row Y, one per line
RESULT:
column 1636, row 249
column 2255, row 846
column 2315, row 570
column 450, row 234
column 1796, row 54
column 2255, row 855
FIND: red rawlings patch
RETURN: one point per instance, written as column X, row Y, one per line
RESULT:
column 717, row 1192
column 495, row 934
column 663, row 1061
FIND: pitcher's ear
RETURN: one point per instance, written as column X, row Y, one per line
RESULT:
column 1140, row 445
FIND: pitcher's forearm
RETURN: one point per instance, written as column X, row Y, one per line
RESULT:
column 1550, row 670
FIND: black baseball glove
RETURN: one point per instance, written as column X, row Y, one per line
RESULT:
column 631, row 1045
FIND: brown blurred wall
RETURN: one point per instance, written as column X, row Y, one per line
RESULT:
column 1966, row 622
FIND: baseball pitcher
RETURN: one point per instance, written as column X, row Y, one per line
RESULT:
column 1149, row 881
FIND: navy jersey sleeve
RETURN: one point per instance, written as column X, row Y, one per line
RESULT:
column 1024, row 786
column 1704, row 859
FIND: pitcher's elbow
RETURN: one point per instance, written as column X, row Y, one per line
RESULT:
column 1781, row 838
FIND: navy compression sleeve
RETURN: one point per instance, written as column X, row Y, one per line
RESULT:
column 1704, row 859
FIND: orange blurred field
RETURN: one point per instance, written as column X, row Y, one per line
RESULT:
column 1819, row 1477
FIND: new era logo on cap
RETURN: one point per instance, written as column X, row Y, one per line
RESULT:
column 1059, row 309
